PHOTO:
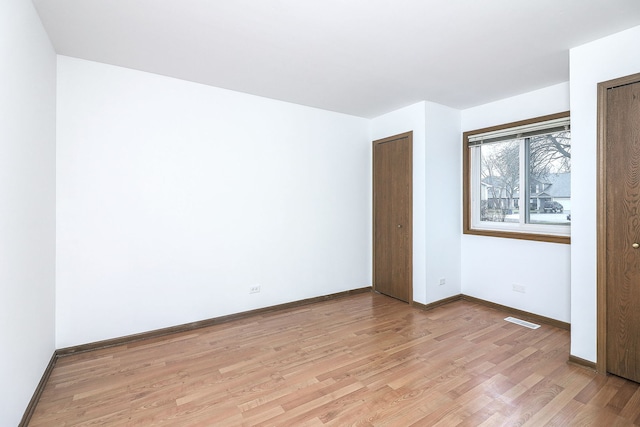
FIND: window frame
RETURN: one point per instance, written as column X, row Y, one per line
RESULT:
column 534, row 232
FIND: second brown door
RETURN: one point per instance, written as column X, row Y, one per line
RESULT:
column 392, row 216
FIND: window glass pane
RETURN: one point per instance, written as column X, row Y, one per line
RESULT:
column 499, row 181
column 549, row 178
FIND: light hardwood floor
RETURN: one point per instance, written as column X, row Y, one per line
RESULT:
column 364, row 360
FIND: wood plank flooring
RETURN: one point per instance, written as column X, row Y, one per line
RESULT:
column 362, row 360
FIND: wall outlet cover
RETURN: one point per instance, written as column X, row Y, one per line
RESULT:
column 519, row 288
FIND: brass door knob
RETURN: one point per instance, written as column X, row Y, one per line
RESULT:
column 635, row 246
column 399, row 225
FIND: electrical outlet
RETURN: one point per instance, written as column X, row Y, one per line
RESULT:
column 519, row 288
column 254, row 289
column 443, row 281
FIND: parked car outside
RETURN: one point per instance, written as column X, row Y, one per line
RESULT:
column 553, row 207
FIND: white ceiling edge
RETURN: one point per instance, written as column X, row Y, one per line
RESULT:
column 362, row 57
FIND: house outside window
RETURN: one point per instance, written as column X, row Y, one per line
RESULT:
column 517, row 180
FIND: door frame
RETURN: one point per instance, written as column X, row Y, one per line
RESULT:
column 601, row 201
column 408, row 135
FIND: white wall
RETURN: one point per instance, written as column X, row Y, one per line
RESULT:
column 443, row 222
column 605, row 59
column 491, row 265
column 436, row 201
column 27, row 215
column 174, row 198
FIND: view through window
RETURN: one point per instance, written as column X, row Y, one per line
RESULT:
column 520, row 178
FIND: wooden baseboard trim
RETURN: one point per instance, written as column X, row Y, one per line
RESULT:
column 98, row 345
column 525, row 315
column 438, row 303
column 26, row 417
column 575, row 360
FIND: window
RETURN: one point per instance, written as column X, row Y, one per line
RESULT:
column 517, row 180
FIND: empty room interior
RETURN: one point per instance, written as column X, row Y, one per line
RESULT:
column 320, row 212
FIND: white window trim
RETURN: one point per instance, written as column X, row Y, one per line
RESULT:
column 521, row 226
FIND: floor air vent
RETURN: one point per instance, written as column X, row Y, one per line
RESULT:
column 522, row 323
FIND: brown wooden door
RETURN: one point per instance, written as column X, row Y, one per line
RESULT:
column 392, row 216
column 623, row 231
